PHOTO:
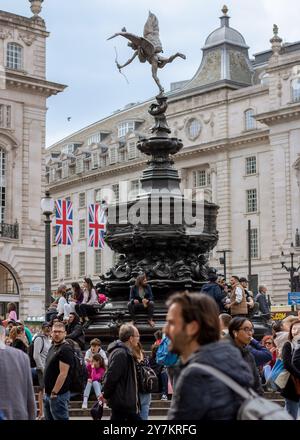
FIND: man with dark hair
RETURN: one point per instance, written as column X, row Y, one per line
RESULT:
column 238, row 303
column 194, row 330
column 214, row 290
column 57, row 375
column 120, row 387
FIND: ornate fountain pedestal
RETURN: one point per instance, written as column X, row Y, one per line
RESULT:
column 161, row 233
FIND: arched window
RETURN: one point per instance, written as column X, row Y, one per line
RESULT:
column 2, row 184
column 249, row 119
column 295, row 90
column 14, row 59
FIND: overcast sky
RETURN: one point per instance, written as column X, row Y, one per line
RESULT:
column 79, row 56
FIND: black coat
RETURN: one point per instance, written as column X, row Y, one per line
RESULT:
column 120, row 386
column 214, row 291
column 289, row 391
column 201, row 396
column 75, row 332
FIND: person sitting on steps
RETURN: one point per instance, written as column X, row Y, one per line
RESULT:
column 141, row 299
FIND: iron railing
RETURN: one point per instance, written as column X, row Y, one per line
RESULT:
column 9, row 231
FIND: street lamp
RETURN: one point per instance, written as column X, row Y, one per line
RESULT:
column 291, row 269
column 223, row 259
column 47, row 205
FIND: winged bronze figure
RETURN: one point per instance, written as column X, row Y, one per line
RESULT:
column 148, row 48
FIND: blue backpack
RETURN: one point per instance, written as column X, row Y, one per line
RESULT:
column 164, row 356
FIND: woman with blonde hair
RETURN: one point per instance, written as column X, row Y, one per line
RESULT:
column 18, row 337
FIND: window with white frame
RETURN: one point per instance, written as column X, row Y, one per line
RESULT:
column 14, row 56
column 94, row 139
column 5, row 116
column 249, row 119
column 81, row 200
column 68, row 149
column 54, row 268
column 95, row 159
column 132, row 150
column 2, row 184
column 79, row 165
column 86, row 165
column 98, row 196
column 122, row 156
column 82, row 228
column 251, row 200
column 193, row 128
column 98, row 261
column 67, row 266
column 200, row 178
column 254, row 243
column 65, row 168
column 250, row 165
column 104, row 161
column 81, row 264
column 295, row 90
column 125, row 127
column 116, row 190
column 113, row 155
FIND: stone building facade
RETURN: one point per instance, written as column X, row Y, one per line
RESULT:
column 239, row 119
column 23, row 93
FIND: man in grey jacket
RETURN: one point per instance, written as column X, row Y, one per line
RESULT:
column 16, row 390
column 41, row 346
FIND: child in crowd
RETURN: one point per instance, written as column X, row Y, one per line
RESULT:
column 95, row 347
column 96, row 370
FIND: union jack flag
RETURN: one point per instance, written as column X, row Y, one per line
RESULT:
column 64, row 222
column 97, row 222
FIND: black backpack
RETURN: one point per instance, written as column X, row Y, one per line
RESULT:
column 148, row 381
column 79, row 374
column 31, row 350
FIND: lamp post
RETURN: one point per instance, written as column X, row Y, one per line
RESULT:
column 47, row 205
column 223, row 259
column 291, row 269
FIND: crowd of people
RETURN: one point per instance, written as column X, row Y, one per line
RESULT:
column 213, row 327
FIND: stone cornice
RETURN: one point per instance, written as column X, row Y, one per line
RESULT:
column 37, row 85
column 96, row 175
column 283, row 114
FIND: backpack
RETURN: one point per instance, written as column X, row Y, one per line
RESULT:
column 31, row 350
column 148, row 381
column 79, row 374
column 164, row 356
column 254, row 406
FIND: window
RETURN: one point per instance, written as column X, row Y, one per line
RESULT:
column 14, row 56
column 95, row 160
column 122, row 156
column 104, row 161
column 2, row 185
column 254, row 243
column 54, row 268
column 81, row 200
column 296, row 90
column 132, row 150
column 113, row 155
column 65, row 169
column 134, row 188
column 67, row 266
column 249, row 119
column 98, row 195
column 250, row 165
column 79, row 165
column 193, row 128
column 81, row 264
column 125, row 127
column 94, row 139
column 98, row 261
column 200, row 178
column 86, row 165
column 251, row 200
column 82, row 228
column 5, row 116
column 68, row 149
column 115, row 189
column 52, row 174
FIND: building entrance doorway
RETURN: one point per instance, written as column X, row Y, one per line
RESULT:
column 9, row 290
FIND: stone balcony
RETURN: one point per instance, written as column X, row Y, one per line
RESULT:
column 9, row 231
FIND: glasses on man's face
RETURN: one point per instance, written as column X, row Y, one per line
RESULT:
column 247, row 329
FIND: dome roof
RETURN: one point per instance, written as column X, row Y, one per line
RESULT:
column 225, row 34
